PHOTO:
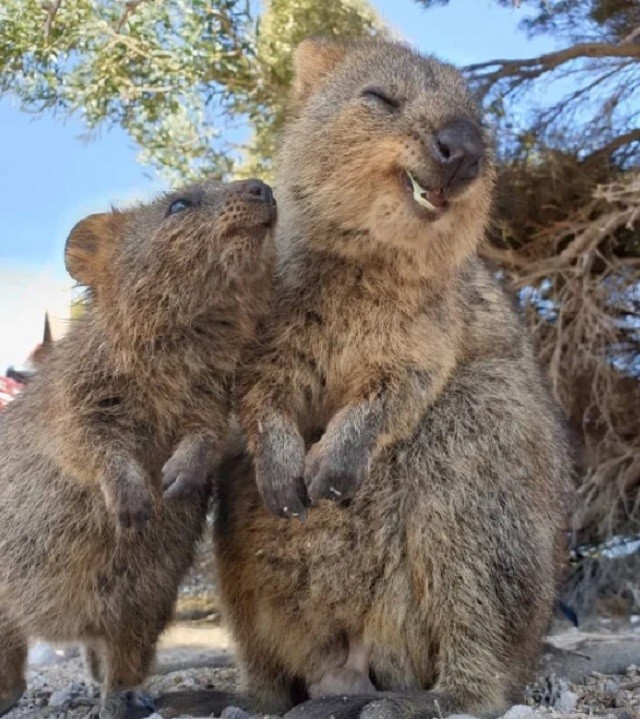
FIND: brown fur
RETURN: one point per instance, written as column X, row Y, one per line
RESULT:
column 393, row 369
column 143, row 377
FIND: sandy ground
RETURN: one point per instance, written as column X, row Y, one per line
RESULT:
column 590, row 672
column 586, row 673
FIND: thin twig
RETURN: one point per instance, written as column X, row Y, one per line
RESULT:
column 129, row 8
column 51, row 9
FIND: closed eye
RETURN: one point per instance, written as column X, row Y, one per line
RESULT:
column 381, row 96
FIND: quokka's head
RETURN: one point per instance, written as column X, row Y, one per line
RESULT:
column 388, row 143
column 194, row 252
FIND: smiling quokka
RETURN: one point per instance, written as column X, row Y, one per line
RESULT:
column 393, row 377
column 134, row 400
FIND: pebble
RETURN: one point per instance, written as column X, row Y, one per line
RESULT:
column 234, row 713
column 620, row 700
column 62, row 697
column 611, row 686
column 567, row 701
column 520, row 711
column 187, row 682
column 41, row 653
column 460, row 716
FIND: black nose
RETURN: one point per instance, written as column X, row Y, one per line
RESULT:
column 457, row 148
column 256, row 190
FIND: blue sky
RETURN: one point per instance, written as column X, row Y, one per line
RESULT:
column 50, row 176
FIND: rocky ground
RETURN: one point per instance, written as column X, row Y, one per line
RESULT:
column 591, row 672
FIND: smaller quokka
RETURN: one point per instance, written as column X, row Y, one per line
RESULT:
column 131, row 405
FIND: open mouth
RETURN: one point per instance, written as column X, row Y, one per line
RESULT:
column 434, row 201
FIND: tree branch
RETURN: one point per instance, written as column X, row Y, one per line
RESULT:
column 129, row 8
column 529, row 68
column 51, row 9
column 613, row 145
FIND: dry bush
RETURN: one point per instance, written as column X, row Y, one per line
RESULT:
column 569, row 240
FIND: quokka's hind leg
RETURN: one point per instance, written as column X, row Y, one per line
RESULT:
column 271, row 690
column 351, row 677
column 93, row 656
column 127, row 661
column 13, row 660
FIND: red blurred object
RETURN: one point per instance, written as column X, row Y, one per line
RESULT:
column 9, row 388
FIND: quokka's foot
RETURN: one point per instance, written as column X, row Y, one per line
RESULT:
column 10, row 697
column 341, row 681
column 127, row 704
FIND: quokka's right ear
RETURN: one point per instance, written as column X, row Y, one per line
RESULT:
column 313, row 60
column 89, row 246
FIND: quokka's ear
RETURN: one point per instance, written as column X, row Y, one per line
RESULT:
column 313, row 60
column 89, row 245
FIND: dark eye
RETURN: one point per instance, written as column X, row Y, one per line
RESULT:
column 379, row 95
column 178, row 206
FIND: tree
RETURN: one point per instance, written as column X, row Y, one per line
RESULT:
column 567, row 234
column 199, row 85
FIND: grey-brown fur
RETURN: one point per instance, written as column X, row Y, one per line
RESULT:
column 393, row 372
column 90, row 550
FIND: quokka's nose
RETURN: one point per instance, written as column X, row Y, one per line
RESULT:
column 458, row 149
column 255, row 190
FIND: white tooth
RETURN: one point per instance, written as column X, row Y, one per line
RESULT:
column 419, row 194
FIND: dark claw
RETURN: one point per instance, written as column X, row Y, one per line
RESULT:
column 337, row 486
column 134, row 506
column 336, row 470
column 182, row 483
column 287, row 502
column 180, row 488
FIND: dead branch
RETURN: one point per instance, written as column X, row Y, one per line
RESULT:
column 582, row 308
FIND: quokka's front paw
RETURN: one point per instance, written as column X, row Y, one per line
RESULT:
column 127, row 495
column 134, row 506
column 336, row 468
column 279, row 465
column 186, row 473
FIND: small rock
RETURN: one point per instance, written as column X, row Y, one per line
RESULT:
column 41, row 653
column 234, row 713
column 62, row 697
column 68, row 652
column 520, row 711
column 611, row 686
column 187, row 682
column 567, row 701
column 460, row 716
column 620, row 700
